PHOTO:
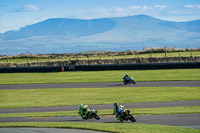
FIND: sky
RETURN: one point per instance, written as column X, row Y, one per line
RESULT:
column 15, row 14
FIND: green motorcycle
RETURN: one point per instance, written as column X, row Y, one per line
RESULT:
column 91, row 113
column 128, row 80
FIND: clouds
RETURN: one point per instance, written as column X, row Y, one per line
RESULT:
column 117, row 11
column 27, row 8
column 193, row 6
column 161, row 6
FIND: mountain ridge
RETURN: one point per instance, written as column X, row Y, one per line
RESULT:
column 63, row 35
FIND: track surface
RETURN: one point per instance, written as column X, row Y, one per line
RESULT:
column 44, row 130
column 172, row 119
column 105, row 84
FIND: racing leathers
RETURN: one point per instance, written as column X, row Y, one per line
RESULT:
column 119, row 111
column 83, row 111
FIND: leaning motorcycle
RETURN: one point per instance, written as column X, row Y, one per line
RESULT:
column 91, row 113
column 127, row 116
column 129, row 80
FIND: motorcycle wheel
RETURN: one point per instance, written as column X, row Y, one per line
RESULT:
column 95, row 116
column 133, row 82
column 132, row 118
column 125, row 82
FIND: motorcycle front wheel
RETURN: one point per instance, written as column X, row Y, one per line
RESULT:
column 125, row 83
column 133, row 82
column 132, row 118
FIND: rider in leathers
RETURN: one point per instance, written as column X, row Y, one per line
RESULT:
column 83, row 111
column 119, row 111
column 126, row 77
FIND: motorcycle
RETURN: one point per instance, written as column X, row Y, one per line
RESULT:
column 91, row 113
column 129, row 80
column 127, row 116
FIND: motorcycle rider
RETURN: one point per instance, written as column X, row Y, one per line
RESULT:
column 126, row 77
column 119, row 111
column 83, row 111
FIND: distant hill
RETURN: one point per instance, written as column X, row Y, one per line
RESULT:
column 62, row 35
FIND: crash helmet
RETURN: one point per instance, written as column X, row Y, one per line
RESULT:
column 127, row 75
column 116, row 105
column 81, row 106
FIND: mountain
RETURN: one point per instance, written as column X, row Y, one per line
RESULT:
column 62, row 35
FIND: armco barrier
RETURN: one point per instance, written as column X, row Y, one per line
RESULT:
column 139, row 66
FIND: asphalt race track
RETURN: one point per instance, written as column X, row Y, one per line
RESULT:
column 171, row 120
column 185, row 120
column 105, row 84
column 45, row 130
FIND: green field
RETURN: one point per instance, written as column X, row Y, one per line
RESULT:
column 99, row 76
column 107, row 127
column 63, row 97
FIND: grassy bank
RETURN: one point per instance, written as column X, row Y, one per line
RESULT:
column 99, row 76
column 107, row 127
column 135, row 111
column 113, row 55
column 63, row 97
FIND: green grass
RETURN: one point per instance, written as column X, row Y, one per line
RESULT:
column 99, row 76
column 107, row 127
column 135, row 111
column 74, row 96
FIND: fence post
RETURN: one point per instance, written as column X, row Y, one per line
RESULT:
column 179, row 54
column 37, row 61
column 7, row 61
column 88, row 60
column 165, row 52
column 77, row 57
column 27, row 59
column 138, row 55
column 191, row 52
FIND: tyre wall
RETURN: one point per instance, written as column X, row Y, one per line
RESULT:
column 139, row 66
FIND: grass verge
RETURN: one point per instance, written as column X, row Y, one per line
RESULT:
column 107, row 127
column 135, row 111
column 74, row 96
column 99, row 76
